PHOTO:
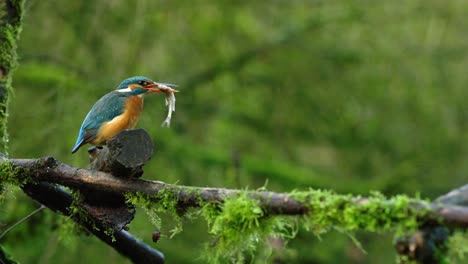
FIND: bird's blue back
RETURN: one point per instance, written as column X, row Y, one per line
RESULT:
column 105, row 109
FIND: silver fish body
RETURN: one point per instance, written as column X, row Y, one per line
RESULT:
column 170, row 103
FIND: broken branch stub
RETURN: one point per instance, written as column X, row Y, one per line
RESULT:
column 124, row 155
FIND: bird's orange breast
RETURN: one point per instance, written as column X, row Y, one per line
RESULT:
column 128, row 119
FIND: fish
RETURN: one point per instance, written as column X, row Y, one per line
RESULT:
column 170, row 101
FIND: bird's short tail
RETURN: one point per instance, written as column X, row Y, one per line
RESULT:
column 76, row 147
column 79, row 142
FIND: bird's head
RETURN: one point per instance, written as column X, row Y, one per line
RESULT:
column 139, row 85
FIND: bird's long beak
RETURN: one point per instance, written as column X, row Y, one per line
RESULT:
column 161, row 88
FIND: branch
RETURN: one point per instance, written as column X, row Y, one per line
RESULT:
column 59, row 200
column 427, row 244
column 124, row 154
column 128, row 151
column 50, row 170
column 103, row 214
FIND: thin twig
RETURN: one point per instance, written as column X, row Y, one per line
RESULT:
column 22, row 220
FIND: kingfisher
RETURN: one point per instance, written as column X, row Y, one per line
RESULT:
column 117, row 110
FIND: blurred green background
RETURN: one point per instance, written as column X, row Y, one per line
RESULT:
column 352, row 96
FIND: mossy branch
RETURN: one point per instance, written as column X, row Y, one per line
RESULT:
column 50, row 170
column 11, row 15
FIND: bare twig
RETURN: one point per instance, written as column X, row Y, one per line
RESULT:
column 22, row 220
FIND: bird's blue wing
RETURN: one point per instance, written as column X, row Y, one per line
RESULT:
column 104, row 110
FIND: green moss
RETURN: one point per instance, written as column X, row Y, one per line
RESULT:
column 347, row 213
column 145, row 202
column 457, row 247
column 13, row 175
column 68, row 232
column 165, row 201
column 78, row 214
column 240, row 226
column 68, row 228
column 2, row 193
column 10, row 28
column 76, row 209
column 10, row 22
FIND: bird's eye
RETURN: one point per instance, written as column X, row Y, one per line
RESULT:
column 142, row 83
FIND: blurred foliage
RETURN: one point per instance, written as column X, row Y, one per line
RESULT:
column 345, row 95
